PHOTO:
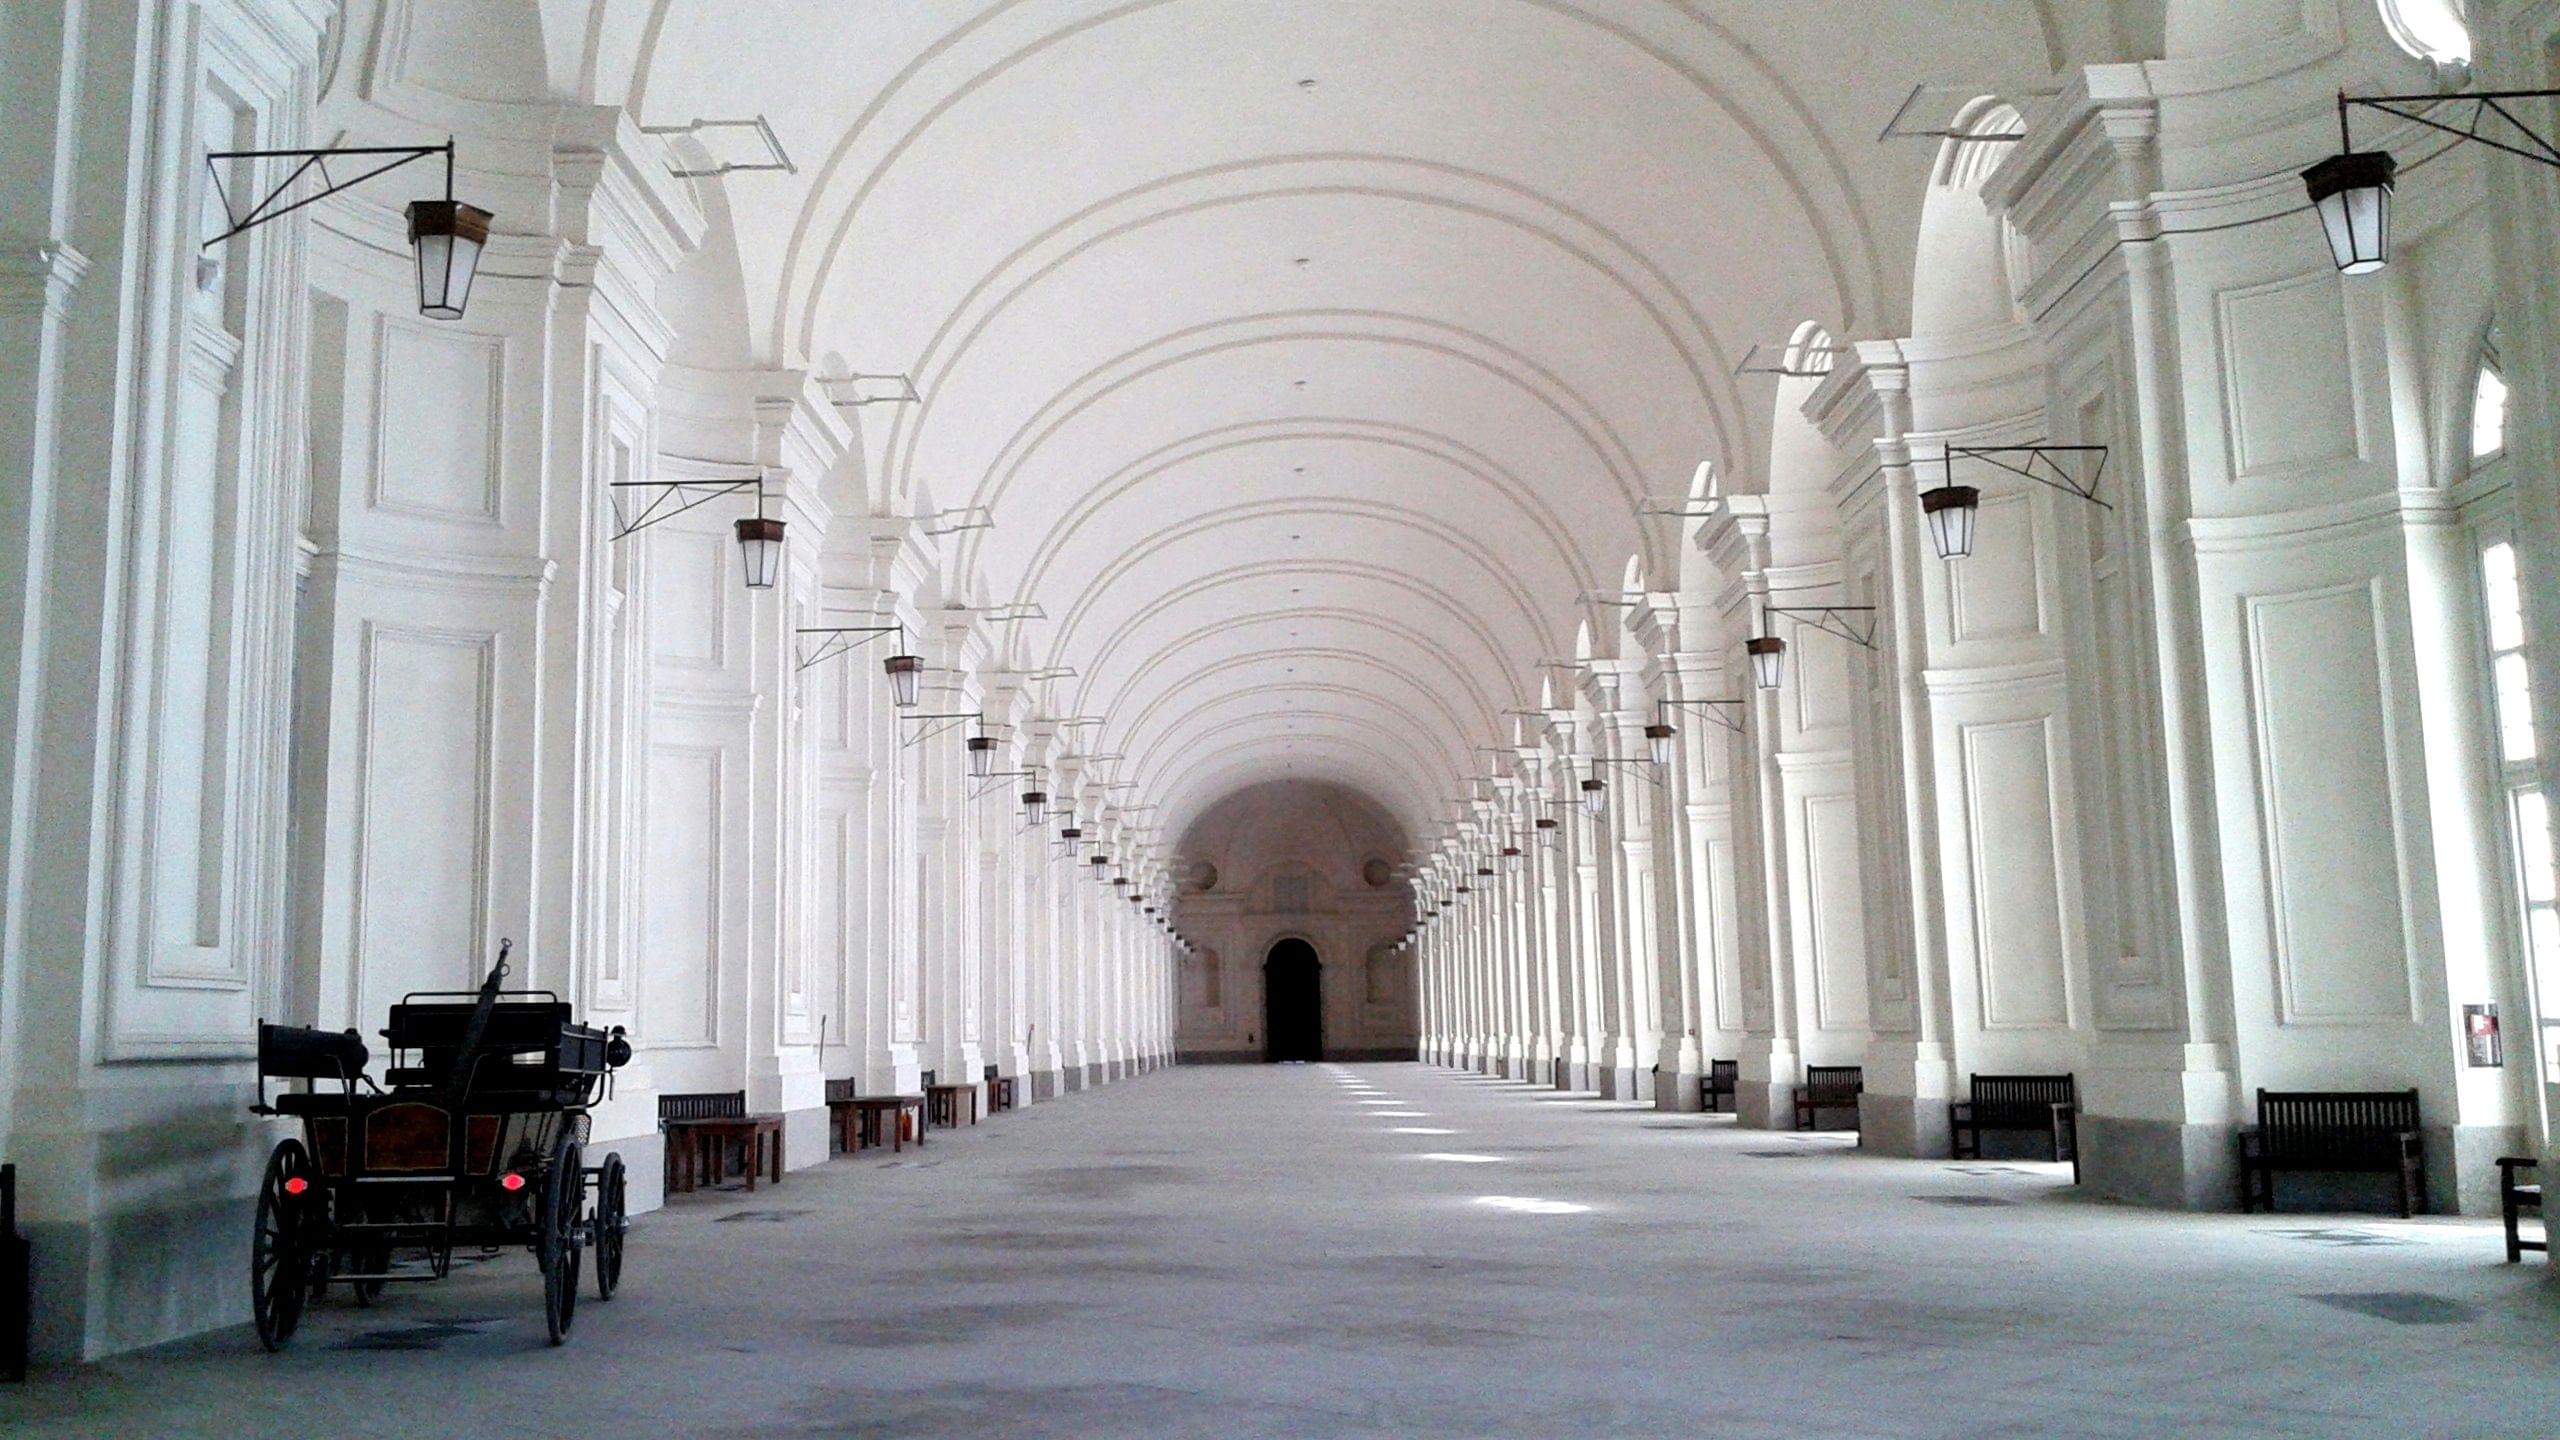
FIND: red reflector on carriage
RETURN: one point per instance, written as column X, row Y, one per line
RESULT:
column 511, row 1182
column 295, row 1184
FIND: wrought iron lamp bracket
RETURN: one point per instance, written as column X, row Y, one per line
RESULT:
column 268, row 207
column 2485, row 105
column 1727, row 713
column 1832, row 619
column 836, row 641
column 667, row 499
column 2039, row 463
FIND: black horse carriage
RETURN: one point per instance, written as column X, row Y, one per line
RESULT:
column 476, row 1138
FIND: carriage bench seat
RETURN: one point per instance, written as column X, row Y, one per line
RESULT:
column 700, row 1129
column 2516, row 1196
column 1718, row 1084
column 2333, row 1132
column 2047, row 1105
column 1828, row 1087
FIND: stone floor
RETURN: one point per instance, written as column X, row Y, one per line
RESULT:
column 1393, row 1250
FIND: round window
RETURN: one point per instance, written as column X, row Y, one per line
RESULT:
column 2430, row 29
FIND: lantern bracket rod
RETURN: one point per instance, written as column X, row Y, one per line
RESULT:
column 836, row 641
column 2418, row 110
column 1727, row 713
column 776, row 157
column 1832, row 619
column 667, row 499
column 268, row 207
column 959, row 518
column 2041, row 463
column 940, row 722
column 1789, row 359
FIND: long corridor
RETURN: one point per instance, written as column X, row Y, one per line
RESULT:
column 1395, row 1250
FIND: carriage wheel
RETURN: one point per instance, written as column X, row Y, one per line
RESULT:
column 280, row 1268
column 564, row 1196
column 612, row 1216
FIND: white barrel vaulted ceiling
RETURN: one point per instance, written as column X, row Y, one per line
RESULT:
column 1313, row 358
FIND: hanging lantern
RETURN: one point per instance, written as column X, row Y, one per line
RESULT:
column 1659, row 736
column 760, row 550
column 1074, row 836
column 1595, row 796
column 1464, row 889
column 906, row 672
column 1768, row 660
column 1484, row 872
column 448, row 236
column 1548, row 830
column 982, row 756
column 1035, row 806
column 2352, row 194
column 1951, row 511
column 1511, row 858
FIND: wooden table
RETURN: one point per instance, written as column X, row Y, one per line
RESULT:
column 871, row 1110
column 691, row 1142
column 946, row 1104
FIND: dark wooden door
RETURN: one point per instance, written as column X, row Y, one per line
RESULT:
column 1293, row 1002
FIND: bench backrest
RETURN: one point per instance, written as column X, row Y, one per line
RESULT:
column 1723, row 1073
column 707, row 1105
column 994, row 1073
column 926, row 1080
column 2029, row 1098
column 2360, row 1124
column 1835, row 1079
column 840, row 1090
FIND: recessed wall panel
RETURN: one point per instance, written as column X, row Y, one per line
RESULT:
column 2339, row 928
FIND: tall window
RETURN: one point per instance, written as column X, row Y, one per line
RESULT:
column 2528, row 814
column 2489, row 415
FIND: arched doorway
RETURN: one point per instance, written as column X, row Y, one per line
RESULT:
column 1292, row 1003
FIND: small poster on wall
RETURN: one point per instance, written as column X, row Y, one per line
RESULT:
column 2480, row 1037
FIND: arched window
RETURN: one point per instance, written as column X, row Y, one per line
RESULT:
column 2488, row 414
column 2435, row 30
column 1809, row 350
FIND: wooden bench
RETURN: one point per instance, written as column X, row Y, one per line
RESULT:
column 701, row 1130
column 1001, row 1094
column 2516, row 1196
column 2047, row 1105
column 1828, row 1087
column 2333, row 1132
column 1720, row 1079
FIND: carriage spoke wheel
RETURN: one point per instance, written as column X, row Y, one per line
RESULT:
column 280, row 1268
column 564, row 1197
column 612, row 1216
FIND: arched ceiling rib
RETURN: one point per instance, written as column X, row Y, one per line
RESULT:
column 1311, row 355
